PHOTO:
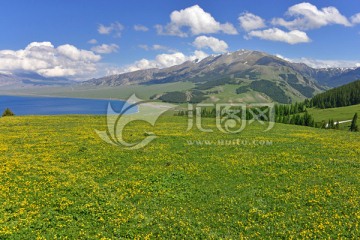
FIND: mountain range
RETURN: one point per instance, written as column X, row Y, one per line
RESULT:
column 18, row 80
column 242, row 74
column 231, row 63
column 246, row 71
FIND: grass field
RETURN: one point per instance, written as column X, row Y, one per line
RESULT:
column 228, row 94
column 337, row 114
column 59, row 179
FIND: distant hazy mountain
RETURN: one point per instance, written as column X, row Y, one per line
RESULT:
column 331, row 77
column 30, row 79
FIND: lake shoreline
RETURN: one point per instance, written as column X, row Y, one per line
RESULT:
column 43, row 105
column 33, row 105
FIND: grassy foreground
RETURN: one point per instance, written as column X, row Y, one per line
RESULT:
column 59, row 179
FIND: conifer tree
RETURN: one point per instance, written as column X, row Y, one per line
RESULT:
column 7, row 112
column 354, row 126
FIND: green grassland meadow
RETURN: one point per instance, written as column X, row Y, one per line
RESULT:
column 59, row 180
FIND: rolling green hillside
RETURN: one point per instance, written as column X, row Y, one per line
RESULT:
column 337, row 105
column 60, row 180
column 342, row 96
column 337, row 114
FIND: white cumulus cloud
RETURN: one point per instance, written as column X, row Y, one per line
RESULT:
column 249, row 21
column 161, row 61
column 114, row 28
column 216, row 45
column 197, row 20
column 307, row 16
column 355, row 19
column 275, row 34
column 49, row 61
column 141, row 28
column 105, row 48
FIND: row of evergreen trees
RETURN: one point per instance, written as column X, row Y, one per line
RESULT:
column 294, row 114
column 298, row 115
column 338, row 97
column 305, row 119
column 345, row 95
column 289, row 114
column 211, row 112
column 290, row 109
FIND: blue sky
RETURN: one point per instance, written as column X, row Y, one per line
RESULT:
column 83, row 39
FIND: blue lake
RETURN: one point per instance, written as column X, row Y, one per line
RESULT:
column 23, row 105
